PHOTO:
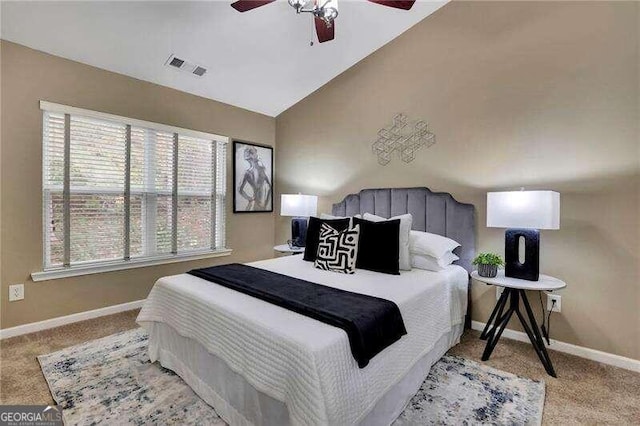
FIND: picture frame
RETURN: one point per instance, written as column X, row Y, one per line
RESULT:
column 252, row 177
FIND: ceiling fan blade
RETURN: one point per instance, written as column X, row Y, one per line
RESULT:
column 398, row 4
column 244, row 5
column 324, row 33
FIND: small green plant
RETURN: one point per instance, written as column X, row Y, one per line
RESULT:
column 488, row 259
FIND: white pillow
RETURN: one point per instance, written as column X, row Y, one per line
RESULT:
column 434, row 245
column 406, row 220
column 430, row 263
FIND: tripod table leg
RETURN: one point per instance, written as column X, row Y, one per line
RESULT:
column 490, row 328
column 501, row 324
column 536, row 337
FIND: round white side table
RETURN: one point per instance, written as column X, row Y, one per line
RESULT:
column 514, row 292
column 285, row 249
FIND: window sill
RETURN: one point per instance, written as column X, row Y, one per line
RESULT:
column 75, row 271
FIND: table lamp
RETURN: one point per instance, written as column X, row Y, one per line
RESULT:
column 523, row 213
column 300, row 207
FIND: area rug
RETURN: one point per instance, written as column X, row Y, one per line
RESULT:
column 112, row 381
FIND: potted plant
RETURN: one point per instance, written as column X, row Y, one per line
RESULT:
column 488, row 264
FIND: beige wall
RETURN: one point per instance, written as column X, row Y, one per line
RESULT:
column 28, row 76
column 536, row 94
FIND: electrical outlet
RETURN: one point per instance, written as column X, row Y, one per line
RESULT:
column 557, row 307
column 499, row 291
column 16, row 292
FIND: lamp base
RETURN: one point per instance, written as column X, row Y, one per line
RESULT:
column 298, row 231
column 530, row 269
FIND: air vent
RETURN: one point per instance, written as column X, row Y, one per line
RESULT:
column 176, row 62
column 185, row 66
column 199, row 71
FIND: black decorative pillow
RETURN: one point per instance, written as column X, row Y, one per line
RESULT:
column 313, row 234
column 378, row 249
column 337, row 251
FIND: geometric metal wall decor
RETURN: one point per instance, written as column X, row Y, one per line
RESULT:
column 403, row 139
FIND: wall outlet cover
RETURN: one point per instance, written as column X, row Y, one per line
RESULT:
column 558, row 305
column 16, row 292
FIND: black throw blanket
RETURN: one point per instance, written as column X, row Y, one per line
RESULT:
column 371, row 323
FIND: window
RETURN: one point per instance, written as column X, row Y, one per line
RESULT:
column 118, row 190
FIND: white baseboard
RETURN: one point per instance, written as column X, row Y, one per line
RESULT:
column 581, row 351
column 68, row 319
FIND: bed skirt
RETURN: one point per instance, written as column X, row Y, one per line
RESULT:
column 239, row 403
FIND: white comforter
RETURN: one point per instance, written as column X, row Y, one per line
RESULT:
column 302, row 362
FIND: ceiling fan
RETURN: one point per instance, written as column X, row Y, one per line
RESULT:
column 324, row 11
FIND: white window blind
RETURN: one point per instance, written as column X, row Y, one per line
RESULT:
column 118, row 189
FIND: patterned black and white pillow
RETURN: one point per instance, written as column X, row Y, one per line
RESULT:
column 337, row 251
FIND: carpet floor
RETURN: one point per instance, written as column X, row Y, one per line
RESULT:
column 585, row 392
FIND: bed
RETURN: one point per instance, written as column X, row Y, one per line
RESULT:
column 257, row 363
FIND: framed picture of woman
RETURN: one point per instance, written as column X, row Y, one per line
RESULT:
column 252, row 177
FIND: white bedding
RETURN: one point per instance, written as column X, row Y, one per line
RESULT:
column 302, row 362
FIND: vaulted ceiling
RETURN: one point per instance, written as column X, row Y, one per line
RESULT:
column 260, row 60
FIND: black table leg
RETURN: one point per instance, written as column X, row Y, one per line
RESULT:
column 537, row 341
column 498, row 322
column 495, row 315
column 501, row 323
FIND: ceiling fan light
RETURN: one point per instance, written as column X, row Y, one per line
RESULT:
column 297, row 4
column 329, row 14
column 330, row 10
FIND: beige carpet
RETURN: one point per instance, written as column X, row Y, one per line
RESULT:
column 585, row 392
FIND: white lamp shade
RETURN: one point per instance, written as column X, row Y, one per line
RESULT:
column 298, row 205
column 523, row 209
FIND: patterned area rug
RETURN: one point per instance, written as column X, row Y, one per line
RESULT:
column 112, row 381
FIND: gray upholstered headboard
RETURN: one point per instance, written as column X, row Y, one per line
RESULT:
column 435, row 212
